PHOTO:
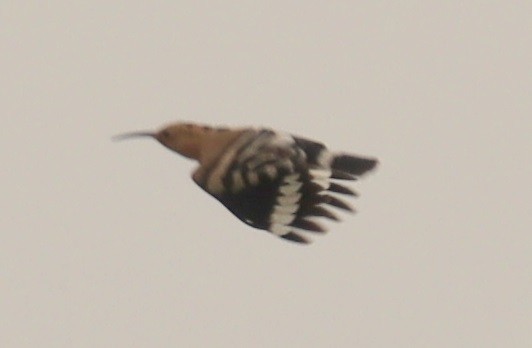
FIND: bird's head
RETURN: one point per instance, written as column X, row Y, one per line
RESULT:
column 183, row 138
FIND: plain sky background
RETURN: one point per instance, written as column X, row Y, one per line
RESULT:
column 107, row 244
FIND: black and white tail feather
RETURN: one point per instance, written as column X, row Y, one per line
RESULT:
column 282, row 183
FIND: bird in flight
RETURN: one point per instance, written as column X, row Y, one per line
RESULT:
column 270, row 180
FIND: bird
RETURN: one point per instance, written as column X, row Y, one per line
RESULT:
column 271, row 180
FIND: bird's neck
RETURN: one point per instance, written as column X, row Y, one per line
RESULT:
column 191, row 148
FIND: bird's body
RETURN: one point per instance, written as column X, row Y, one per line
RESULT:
column 268, row 179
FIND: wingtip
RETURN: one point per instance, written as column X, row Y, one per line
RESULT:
column 296, row 238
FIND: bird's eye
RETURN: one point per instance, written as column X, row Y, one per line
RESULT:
column 165, row 134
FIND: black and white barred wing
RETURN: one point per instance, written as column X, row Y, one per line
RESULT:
column 276, row 182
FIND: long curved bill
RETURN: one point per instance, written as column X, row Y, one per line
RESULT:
column 133, row 135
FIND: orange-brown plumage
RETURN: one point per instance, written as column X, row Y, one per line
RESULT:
column 270, row 180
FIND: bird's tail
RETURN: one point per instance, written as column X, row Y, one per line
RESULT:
column 354, row 165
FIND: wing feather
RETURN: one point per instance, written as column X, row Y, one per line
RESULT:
column 278, row 183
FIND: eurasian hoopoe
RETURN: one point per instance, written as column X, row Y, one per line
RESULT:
column 270, row 180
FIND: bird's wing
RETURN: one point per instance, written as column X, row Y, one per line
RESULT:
column 343, row 166
column 269, row 184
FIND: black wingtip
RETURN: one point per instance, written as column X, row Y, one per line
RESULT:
column 320, row 211
column 308, row 225
column 296, row 238
column 338, row 203
column 334, row 187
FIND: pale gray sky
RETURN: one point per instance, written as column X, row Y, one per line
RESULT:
column 112, row 245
